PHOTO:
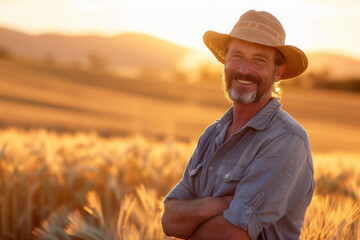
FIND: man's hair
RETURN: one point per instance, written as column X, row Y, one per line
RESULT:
column 279, row 60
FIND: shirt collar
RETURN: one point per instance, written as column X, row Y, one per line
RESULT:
column 261, row 120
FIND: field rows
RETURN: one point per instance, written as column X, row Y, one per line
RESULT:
column 36, row 96
column 50, row 101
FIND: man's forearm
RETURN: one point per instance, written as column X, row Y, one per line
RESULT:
column 218, row 228
column 182, row 217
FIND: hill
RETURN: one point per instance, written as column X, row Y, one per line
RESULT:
column 123, row 51
column 334, row 66
column 133, row 51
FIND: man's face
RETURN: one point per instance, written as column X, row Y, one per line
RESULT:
column 250, row 71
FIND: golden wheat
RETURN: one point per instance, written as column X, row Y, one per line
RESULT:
column 83, row 186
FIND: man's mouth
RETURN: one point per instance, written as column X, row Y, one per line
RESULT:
column 241, row 81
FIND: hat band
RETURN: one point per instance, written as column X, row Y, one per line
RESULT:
column 262, row 27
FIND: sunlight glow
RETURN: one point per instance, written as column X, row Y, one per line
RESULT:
column 311, row 25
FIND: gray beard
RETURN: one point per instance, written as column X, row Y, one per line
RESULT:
column 244, row 98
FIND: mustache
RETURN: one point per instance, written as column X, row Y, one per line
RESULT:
column 247, row 77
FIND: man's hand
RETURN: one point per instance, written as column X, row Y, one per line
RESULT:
column 182, row 217
column 218, row 228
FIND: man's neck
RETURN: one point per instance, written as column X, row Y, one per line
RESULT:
column 242, row 113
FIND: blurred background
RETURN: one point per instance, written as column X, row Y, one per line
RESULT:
column 102, row 103
column 140, row 67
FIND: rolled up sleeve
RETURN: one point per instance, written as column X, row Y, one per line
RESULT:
column 242, row 215
column 276, row 180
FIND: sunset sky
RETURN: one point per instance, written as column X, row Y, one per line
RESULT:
column 312, row 25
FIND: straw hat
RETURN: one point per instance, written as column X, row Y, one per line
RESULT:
column 262, row 28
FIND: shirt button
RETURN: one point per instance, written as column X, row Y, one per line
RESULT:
column 192, row 172
column 211, row 168
column 227, row 176
column 247, row 211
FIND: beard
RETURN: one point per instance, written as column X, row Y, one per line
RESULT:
column 241, row 95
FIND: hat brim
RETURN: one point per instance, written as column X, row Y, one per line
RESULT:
column 296, row 60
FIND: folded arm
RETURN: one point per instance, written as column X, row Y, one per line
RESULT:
column 183, row 216
column 218, row 228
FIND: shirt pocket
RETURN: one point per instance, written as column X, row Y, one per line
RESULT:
column 227, row 179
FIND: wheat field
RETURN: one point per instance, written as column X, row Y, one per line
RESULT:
column 83, row 186
column 77, row 184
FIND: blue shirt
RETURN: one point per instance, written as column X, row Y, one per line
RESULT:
column 267, row 165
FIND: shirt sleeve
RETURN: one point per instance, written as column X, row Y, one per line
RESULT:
column 277, row 179
column 184, row 189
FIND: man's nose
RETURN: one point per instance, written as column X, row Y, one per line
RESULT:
column 245, row 66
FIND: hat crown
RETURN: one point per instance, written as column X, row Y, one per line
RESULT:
column 259, row 27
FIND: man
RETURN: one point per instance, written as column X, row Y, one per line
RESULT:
column 251, row 174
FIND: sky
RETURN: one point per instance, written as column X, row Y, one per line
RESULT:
column 312, row 25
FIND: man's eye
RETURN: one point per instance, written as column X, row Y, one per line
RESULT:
column 260, row 61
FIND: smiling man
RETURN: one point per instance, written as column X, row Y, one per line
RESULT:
column 251, row 174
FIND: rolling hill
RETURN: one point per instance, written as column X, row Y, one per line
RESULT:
column 336, row 66
column 126, row 50
column 140, row 51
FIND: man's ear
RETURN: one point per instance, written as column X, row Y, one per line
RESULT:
column 279, row 71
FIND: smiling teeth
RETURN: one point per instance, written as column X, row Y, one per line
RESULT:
column 244, row 81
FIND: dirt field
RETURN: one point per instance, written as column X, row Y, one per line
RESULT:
column 37, row 96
